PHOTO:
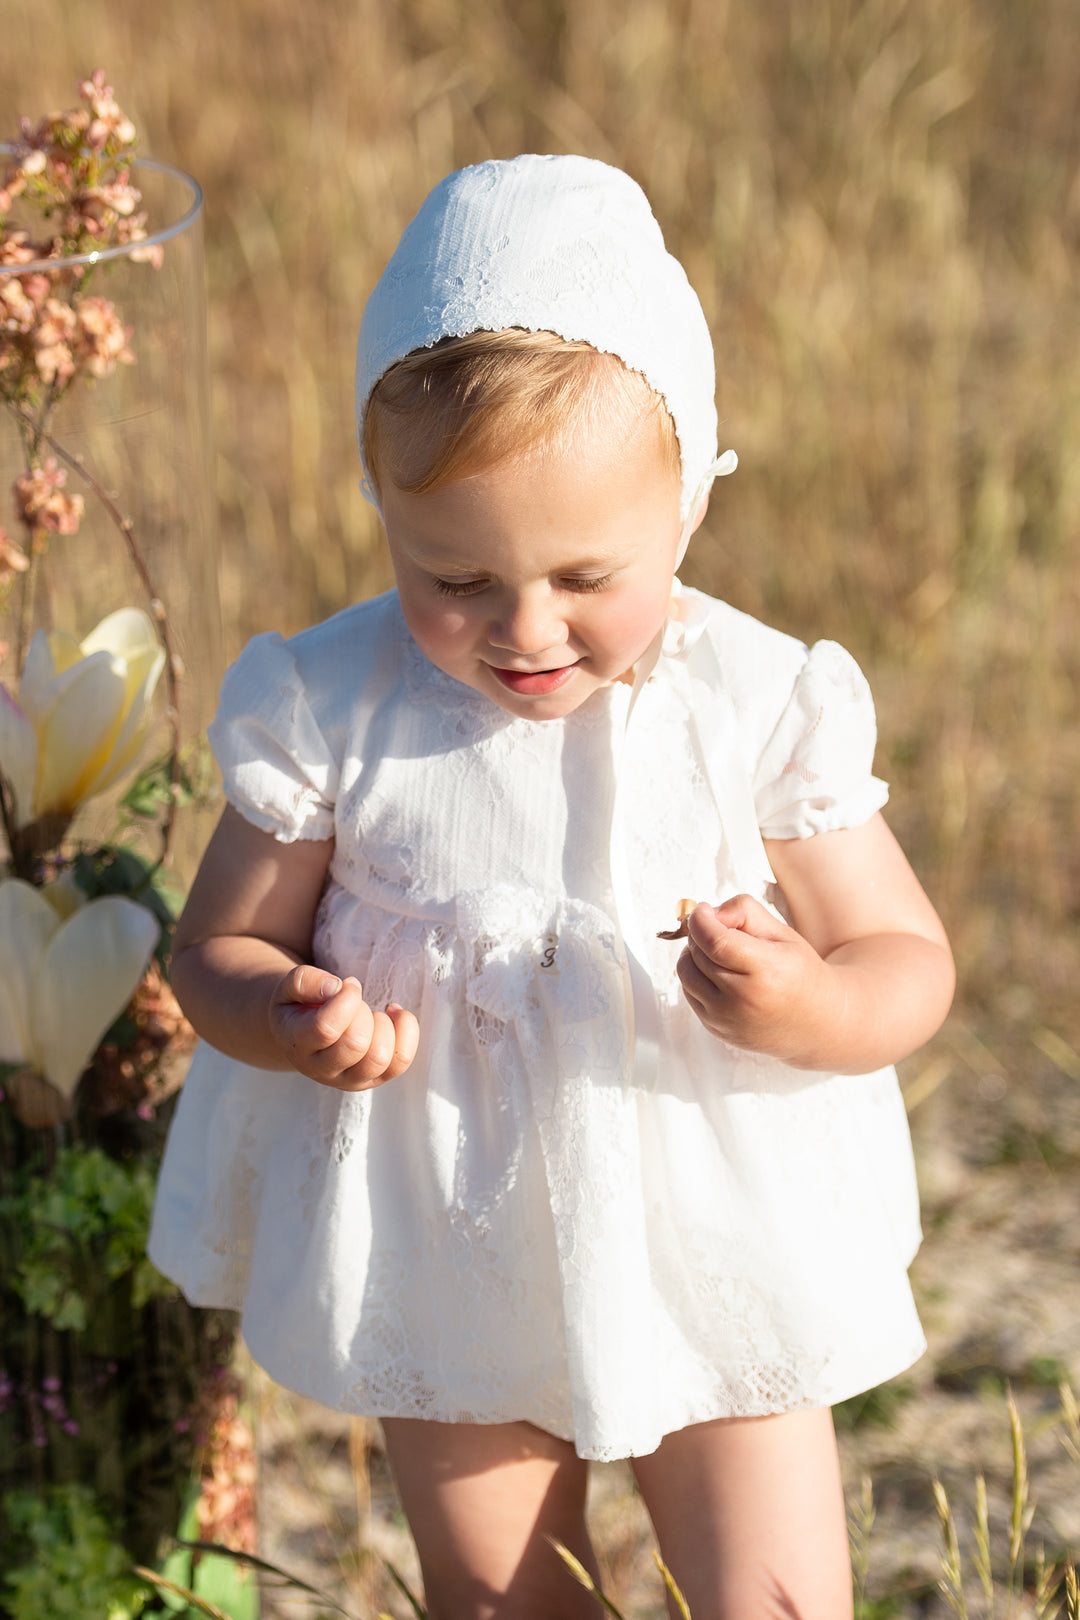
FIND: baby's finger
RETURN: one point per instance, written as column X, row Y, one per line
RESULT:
column 406, row 1039
column 700, row 991
column 375, row 1045
column 749, row 916
column 714, row 944
column 307, row 986
column 311, row 1029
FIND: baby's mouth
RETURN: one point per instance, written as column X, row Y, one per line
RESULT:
column 533, row 683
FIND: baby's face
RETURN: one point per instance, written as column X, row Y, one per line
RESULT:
column 542, row 579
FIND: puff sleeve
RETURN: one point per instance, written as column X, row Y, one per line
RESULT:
column 815, row 772
column 279, row 771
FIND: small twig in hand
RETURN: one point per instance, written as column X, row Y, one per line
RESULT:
column 682, row 911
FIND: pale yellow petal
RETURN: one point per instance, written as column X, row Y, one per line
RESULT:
column 18, row 755
column 27, row 923
column 143, row 675
column 65, row 650
column 78, row 735
column 86, row 977
column 128, row 633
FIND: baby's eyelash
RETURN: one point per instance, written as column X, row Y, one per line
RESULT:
column 469, row 587
column 596, row 583
column 458, row 587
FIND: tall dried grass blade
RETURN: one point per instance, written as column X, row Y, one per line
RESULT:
column 193, row 1600
column 673, row 1587
column 983, row 1565
column 860, row 1524
column 951, row 1583
column 403, row 1587
column 1045, row 1591
column 583, row 1578
column 1072, row 1593
column 1070, row 1417
column 361, row 1473
column 267, row 1568
column 1021, row 1509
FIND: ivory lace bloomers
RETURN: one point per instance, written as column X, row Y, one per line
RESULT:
column 577, row 1207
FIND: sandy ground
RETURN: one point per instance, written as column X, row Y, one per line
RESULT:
column 998, row 1284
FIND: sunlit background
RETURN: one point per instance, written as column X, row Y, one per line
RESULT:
column 879, row 204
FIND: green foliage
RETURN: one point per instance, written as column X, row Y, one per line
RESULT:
column 83, row 1228
column 117, row 869
column 73, row 1566
column 152, row 790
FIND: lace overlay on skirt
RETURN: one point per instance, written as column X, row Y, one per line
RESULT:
column 577, row 1207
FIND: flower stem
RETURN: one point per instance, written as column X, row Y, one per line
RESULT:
column 30, row 434
column 157, row 610
column 7, row 814
column 26, row 603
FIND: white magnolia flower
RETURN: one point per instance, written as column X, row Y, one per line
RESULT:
column 82, row 714
column 64, row 979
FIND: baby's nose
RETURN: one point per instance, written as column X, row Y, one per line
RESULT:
column 528, row 622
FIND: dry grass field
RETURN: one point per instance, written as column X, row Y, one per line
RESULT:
column 879, row 203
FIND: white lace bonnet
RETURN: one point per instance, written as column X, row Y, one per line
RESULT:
column 558, row 244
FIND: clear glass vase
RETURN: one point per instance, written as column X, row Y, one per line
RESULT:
column 134, row 445
column 107, row 1376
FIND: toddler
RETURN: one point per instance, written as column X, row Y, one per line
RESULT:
column 472, row 1147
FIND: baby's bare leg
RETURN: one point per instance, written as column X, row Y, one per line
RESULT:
column 749, row 1514
column 481, row 1500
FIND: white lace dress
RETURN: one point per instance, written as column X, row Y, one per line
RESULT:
column 577, row 1207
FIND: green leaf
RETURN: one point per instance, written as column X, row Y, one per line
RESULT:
column 228, row 1585
column 151, row 793
column 82, row 1229
column 70, row 1315
column 177, row 1569
column 176, row 1566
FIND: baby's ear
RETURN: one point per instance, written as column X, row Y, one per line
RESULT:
column 699, row 516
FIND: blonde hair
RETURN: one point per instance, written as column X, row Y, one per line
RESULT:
column 468, row 403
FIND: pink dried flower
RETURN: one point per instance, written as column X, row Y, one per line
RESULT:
column 53, row 336
column 17, row 249
column 17, row 312
column 134, row 230
column 36, row 286
column 42, row 503
column 118, row 198
column 102, row 338
column 107, row 119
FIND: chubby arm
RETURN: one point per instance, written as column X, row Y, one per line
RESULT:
column 862, row 979
column 241, row 967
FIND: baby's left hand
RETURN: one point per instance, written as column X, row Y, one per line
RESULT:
column 756, row 983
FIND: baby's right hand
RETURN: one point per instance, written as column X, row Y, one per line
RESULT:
column 327, row 1031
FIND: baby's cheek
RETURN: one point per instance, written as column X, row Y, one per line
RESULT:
column 439, row 631
column 631, row 626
